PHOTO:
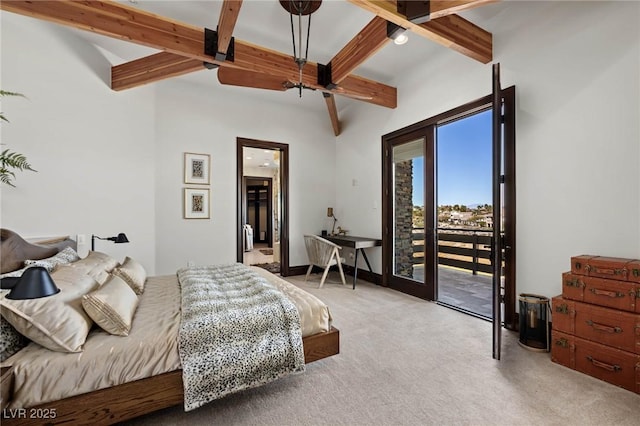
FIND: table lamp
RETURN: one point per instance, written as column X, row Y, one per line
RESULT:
column 335, row 219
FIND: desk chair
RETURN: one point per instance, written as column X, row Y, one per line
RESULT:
column 324, row 254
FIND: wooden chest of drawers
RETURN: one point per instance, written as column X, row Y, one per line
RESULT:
column 596, row 320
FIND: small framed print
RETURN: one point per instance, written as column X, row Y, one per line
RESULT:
column 196, row 203
column 196, row 168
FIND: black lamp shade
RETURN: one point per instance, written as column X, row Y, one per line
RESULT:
column 121, row 238
column 34, row 283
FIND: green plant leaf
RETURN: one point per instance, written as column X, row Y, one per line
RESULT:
column 9, row 159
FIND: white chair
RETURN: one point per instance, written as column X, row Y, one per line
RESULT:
column 324, row 254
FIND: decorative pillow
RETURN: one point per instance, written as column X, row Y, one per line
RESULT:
column 56, row 322
column 10, row 340
column 112, row 306
column 133, row 274
column 98, row 265
column 67, row 255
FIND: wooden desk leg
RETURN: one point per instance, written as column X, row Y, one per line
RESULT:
column 355, row 270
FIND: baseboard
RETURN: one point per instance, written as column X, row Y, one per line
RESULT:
column 297, row 270
column 363, row 274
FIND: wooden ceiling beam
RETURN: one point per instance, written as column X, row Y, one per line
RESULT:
column 245, row 78
column 166, row 65
column 445, row 27
column 333, row 112
column 227, row 22
column 134, row 25
column 365, row 44
column 152, row 68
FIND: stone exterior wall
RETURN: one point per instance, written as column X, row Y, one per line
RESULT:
column 404, row 218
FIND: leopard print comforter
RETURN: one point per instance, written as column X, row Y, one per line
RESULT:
column 237, row 332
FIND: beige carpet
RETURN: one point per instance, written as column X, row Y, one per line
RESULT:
column 405, row 361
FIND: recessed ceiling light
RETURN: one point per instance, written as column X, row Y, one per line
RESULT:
column 401, row 39
column 249, row 158
column 266, row 164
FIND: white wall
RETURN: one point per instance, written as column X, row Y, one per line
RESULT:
column 93, row 148
column 576, row 67
column 190, row 119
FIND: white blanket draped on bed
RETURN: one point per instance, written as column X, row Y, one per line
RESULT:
column 237, row 332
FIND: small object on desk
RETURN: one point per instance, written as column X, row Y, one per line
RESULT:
column 342, row 231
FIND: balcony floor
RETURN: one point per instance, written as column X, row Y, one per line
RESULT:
column 462, row 289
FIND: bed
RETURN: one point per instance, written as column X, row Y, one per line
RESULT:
column 125, row 377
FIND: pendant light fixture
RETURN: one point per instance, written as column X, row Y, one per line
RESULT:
column 297, row 9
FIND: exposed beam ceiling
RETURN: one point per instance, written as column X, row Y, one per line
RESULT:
column 182, row 46
column 136, row 26
column 445, row 27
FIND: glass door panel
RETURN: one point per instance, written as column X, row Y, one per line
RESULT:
column 408, row 210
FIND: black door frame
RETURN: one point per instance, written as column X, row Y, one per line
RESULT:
column 284, row 196
column 422, row 128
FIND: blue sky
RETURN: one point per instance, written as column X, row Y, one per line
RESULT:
column 464, row 163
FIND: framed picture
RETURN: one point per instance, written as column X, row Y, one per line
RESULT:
column 196, row 203
column 196, row 168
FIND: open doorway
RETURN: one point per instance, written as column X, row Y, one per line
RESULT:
column 465, row 212
column 263, row 204
column 420, row 257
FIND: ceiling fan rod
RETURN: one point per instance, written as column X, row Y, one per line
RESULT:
column 300, row 7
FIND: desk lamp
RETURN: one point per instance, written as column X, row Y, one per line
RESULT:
column 335, row 219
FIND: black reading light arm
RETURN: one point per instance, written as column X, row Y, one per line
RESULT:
column 119, row 239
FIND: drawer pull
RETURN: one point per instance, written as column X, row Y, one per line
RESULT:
column 609, row 367
column 563, row 343
column 605, row 328
column 599, row 292
column 635, row 272
column 562, row 309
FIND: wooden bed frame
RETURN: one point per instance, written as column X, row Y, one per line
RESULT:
column 122, row 402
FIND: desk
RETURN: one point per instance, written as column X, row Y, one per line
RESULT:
column 357, row 243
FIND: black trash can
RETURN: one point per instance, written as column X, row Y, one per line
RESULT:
column 534, row 322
